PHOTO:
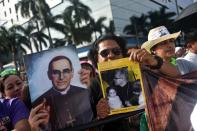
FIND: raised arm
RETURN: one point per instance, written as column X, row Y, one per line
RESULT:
column 144, row 57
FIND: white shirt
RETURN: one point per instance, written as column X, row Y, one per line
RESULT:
column 193, row 118
column 188, row 63
column 115, row 102
column 63, row 92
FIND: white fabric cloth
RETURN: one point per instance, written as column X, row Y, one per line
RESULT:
column 188, row 63
column 193, row 118
column 115, row 102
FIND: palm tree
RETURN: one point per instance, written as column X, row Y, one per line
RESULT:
column 41, row 37
column 32, row 37
column 4, row 51
column 50, row 22
column 137, row 26
column 40, row 11
column 3, row 47
column 28, row 8
column 74, row 28
column 79, row 11
column 161, row 17
column 13, row 42
column 97, row 26
column 5, row 58
column 74, row 34
column 111, row 28
column 59, row 42
column 46, row 18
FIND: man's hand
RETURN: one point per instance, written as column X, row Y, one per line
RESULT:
column 102, row 108
column 142, row 56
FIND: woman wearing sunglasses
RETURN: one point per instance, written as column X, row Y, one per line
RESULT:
column 12, row 87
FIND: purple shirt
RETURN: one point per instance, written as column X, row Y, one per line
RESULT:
column 12, row 111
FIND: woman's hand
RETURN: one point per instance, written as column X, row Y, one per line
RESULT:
column 102, row 108
column 39, row 116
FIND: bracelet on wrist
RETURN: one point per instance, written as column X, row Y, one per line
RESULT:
column 159, row 63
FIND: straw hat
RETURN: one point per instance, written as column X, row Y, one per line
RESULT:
column 157, row 35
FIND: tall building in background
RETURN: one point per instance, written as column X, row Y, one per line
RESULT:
column 122, row 10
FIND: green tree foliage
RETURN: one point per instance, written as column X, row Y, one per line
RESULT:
column 79, row 11
column 13, row 42
column 111, row 28
column 39, row 10
column 140, row 26
column 97, row 26
column 75, row 18
column 32, row 36
column 73, row 33
column 161, row 17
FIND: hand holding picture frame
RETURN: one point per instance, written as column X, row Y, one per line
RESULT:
column 53, row 76
column 121, row 84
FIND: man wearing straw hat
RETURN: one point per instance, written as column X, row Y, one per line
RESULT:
column 158, row 51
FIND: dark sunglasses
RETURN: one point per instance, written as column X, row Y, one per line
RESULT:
column 115, row 51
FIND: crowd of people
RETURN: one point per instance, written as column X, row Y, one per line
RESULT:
column 158, row 54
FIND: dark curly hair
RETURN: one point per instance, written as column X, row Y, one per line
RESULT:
column 109, row 88
column 93, row 52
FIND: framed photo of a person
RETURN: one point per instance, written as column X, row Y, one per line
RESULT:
column 53, row 77
column 121, row 85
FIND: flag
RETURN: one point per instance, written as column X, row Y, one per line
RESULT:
column 169, row 101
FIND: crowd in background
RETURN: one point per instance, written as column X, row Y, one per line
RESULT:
column 159, row 54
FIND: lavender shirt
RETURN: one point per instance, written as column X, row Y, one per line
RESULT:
column 12, row 111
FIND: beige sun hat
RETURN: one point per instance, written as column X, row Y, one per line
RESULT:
column 157, row 35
